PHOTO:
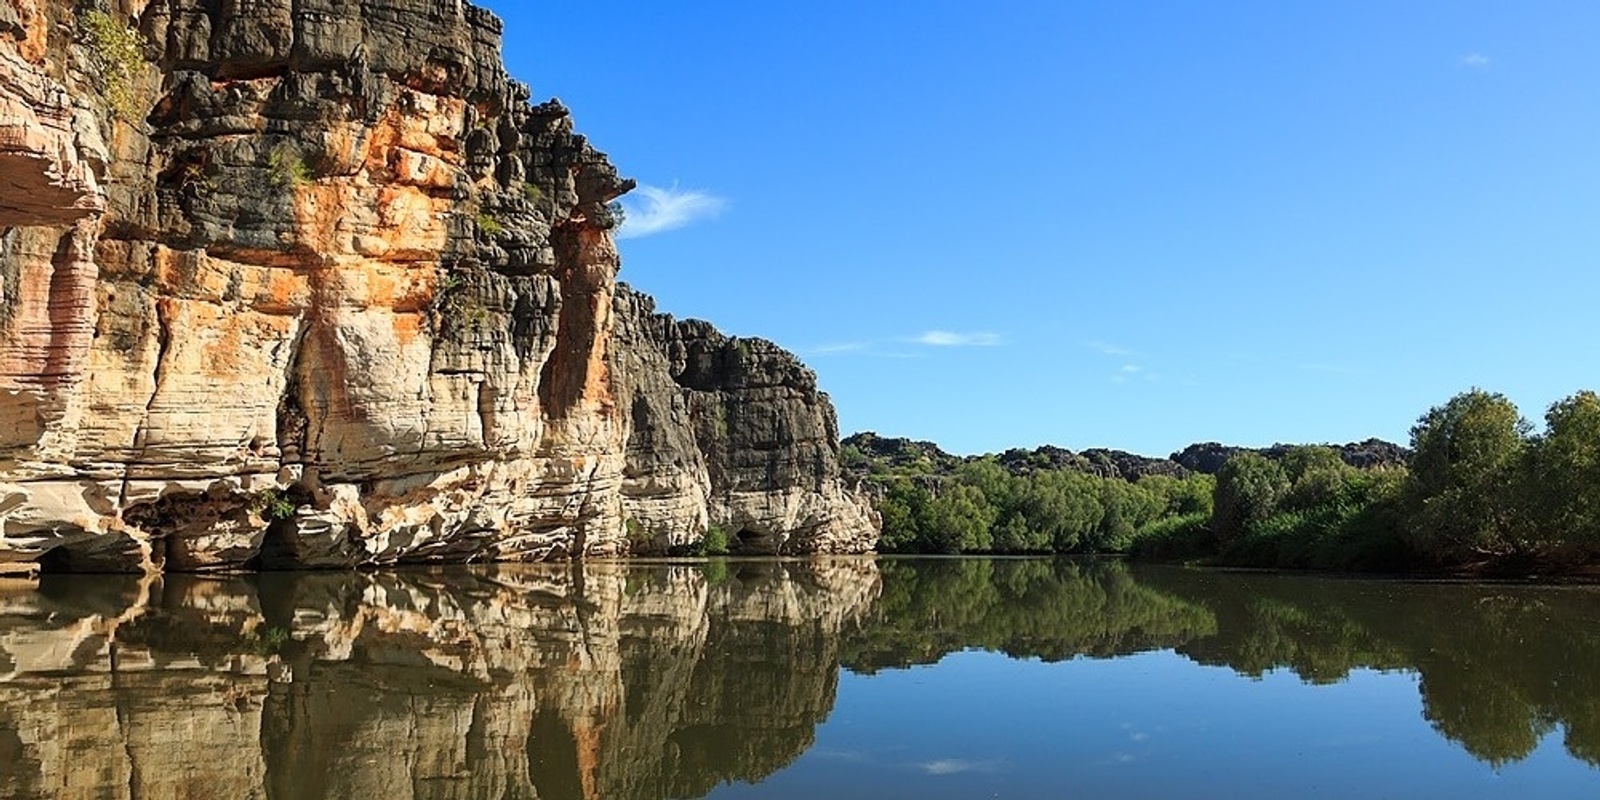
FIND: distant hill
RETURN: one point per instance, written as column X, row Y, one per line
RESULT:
column 865, row 454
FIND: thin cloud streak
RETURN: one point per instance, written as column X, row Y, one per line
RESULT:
column 1476, row 61
column 956, row 766
column 657, row 210
column 1108, row 349
column 953, row 339
column 834, row 349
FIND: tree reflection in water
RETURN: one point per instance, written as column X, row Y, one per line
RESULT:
column 628, row 681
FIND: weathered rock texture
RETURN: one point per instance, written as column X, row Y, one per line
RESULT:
column 549, row 681
column 318, row 286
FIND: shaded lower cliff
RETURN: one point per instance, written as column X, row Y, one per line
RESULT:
column 313, row 283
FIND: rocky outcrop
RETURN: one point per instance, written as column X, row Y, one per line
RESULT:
column 351, row 300
column 1208, row 457
column 756, row 421
column 867, row 452
column 550, row 681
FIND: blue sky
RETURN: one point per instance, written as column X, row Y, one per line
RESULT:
column 1121, row 224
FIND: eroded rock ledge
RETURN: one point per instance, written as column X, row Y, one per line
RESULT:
column 314, row 284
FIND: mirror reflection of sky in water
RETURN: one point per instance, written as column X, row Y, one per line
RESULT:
column 831, row 678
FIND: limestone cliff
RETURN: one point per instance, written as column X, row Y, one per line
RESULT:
column 313, row 283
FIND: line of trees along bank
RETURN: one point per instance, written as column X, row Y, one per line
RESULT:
column 1481, row 488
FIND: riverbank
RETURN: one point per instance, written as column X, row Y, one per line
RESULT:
column 1478, row 492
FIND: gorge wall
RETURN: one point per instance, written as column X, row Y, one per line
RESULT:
column 312, row 283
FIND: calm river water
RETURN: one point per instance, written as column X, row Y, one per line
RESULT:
column 776, row 679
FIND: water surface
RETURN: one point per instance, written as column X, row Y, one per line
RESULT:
column 839, row 678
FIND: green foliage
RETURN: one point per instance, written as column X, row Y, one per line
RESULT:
column 118, row 53
column 640, row 539
column 1480, row 488
column 1179, row 538
column 1053, row 609
column 1194, row 494
column 715, row 542
column 488, row 225
column 532, row 193
column 289, row 167
column 274, row 505
column 1249, row 488
column 1562, row 483
column 270, row 641
column 983, row 507
column 1465, row 467
column 616, row 215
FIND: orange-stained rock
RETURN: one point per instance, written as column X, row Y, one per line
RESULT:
column 335, row 293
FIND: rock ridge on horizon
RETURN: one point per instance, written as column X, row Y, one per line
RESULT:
column 1204, row 457
column 311, row 283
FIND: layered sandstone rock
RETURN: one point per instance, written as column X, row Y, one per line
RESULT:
column 351, row 300
column 594, row 681
column 765, row 441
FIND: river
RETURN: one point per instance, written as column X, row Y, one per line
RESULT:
column 842, row 678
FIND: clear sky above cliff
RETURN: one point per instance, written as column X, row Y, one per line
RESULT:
column 1121, row 224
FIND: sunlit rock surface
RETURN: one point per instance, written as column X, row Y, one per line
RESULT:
column 322, row 287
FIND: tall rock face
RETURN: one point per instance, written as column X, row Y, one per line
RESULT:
column 313, row 283
column 736, row 420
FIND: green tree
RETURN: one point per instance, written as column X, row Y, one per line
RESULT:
column 1249, row 488
column 1564, row 493
column 957, row 521
column 1460, row 500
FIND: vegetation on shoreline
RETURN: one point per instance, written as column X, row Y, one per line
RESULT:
column 1480, row 490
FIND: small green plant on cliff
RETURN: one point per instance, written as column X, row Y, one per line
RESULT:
column 640, row 539
column 268, row 642
column 274, row 506
column 289, row 167
column 715, row 542
column 618, row 214
column 118, row 53
column 488, row 224
column 532, row 193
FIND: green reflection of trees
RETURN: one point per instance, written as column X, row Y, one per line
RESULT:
column 1500, row 666
column 1048, row 609
column 632, row 681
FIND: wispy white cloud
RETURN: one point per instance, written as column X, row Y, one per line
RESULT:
column 954, row 766
column 864, row 349
column 953, row 339
column 1131, row 371
column 653, row 209
column 1476, row 61
column 1109, row 349
column 906, row 346
column 841, row 347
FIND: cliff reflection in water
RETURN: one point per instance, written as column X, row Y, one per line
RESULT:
column 540, row 681
column 635, row 681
